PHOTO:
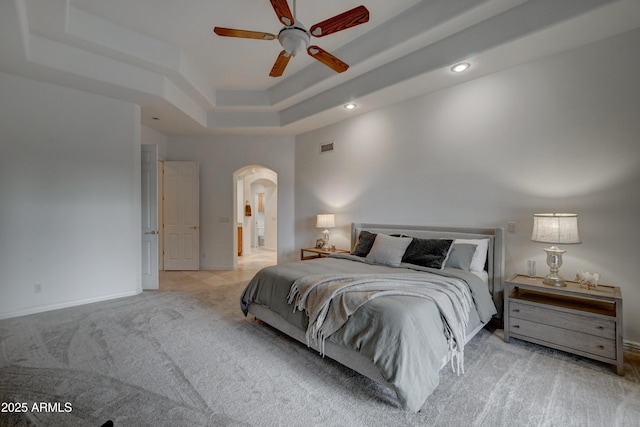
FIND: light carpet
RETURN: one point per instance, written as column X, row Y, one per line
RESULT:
column 193, row 359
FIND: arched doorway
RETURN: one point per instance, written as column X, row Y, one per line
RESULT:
column 256, row 202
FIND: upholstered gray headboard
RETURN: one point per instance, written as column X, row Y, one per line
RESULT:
column 495, row 257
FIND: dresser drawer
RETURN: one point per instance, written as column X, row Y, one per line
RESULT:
column 563, row 337
column 597, row 326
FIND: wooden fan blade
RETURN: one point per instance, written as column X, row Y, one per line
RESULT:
column 230, row 32
column 280, row 64
column 327, row 59
column 283, row 12
column 348, row 19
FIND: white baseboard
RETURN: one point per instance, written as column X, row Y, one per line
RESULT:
column 50, row 307
column 630, row 345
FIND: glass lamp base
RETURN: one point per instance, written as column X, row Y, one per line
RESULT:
column 325, row 234
column 554, row 261
column 554, row 280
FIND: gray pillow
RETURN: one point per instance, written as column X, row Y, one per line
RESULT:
column 460, row 256
column 365, row 242
column 428, row 252
column 388, row 250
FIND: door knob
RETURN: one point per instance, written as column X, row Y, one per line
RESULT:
column 150, row 232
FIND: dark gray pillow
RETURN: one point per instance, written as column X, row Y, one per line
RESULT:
column 365, row 242
column 460, row 256
column 428, row 252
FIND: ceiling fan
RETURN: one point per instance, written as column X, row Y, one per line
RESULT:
column 294, row 37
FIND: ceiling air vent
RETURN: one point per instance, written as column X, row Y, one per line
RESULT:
column 326, row 147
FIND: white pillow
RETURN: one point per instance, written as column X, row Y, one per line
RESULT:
column 388, row 250
column 480, row 255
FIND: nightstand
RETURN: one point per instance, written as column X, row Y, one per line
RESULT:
column 319, row 253
column 586, row 322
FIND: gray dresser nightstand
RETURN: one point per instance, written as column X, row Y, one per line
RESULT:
column 586, row 322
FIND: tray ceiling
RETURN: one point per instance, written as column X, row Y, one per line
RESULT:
column 163, row 55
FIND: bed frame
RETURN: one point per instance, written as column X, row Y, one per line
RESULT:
column 353, row 359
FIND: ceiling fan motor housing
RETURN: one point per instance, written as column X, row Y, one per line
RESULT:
column 294, row 39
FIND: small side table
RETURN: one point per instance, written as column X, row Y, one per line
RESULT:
column 586, row 322
column 319, row 253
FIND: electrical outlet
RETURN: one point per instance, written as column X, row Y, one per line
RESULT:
column 511, row 227
column 37, row 288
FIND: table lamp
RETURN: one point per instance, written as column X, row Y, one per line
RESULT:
column 555, row 228
column 325, row 221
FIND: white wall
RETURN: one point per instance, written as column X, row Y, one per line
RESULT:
column 69, row 197
column 221, row 156
column 560, row 134
column 150, row 136
column 271, row 218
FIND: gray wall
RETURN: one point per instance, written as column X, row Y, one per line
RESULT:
column 219, row 157
column 69, row 197
column 560, row 134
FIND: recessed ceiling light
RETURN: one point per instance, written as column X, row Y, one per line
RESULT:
column 350, row 106
column 458, row 68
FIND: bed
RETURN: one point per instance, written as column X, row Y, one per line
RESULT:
column 400, row 332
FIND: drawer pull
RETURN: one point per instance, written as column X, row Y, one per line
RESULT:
column 517, row 310
column 601, row 328
column 601, row 347
column 516, row 326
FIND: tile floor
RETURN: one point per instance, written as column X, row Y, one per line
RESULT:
column 188, row 281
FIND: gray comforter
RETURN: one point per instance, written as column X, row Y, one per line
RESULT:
column 402, row 335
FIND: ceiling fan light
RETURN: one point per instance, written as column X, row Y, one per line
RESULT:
column 294, row 40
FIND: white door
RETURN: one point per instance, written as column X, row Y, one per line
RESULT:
column 181, row 210
column 150, row 217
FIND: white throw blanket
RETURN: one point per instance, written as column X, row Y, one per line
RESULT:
column 330, row 299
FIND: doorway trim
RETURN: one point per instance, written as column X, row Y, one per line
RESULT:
column 245, row 175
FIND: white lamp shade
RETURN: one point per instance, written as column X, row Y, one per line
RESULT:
column 325, row 221
column 555, row 228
